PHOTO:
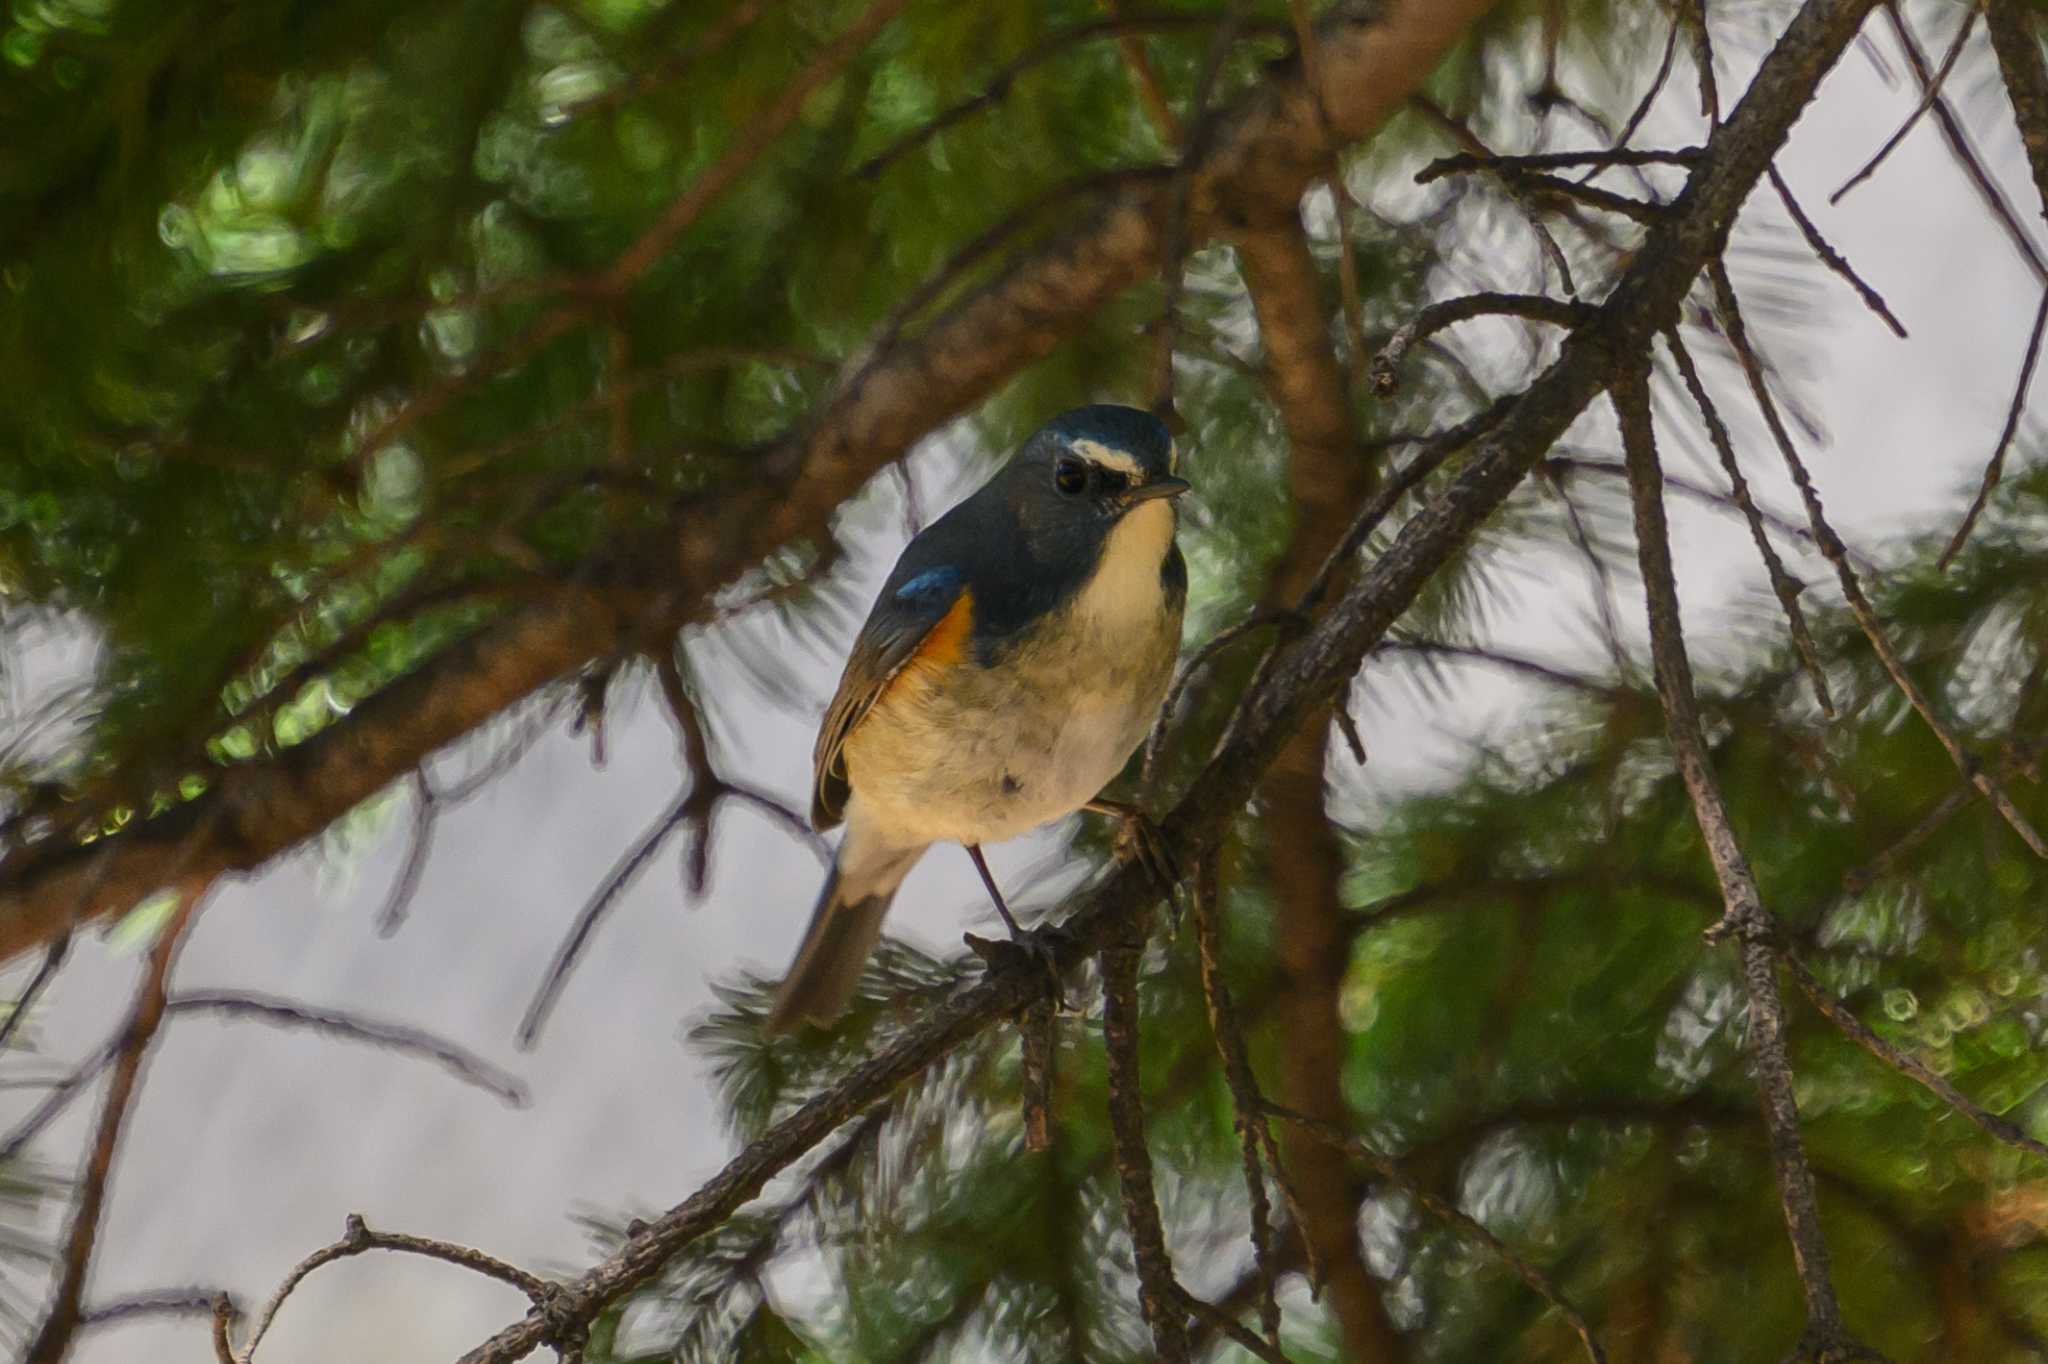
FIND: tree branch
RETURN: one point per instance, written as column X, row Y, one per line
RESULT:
column 1158, row 1292
column 1744, row 913
column 62, row 1319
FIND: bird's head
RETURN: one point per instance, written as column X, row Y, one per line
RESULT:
column 1097, row 464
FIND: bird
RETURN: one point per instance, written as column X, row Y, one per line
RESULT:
column 1015, row 657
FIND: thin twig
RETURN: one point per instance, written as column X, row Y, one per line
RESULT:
column 1479, row 156
column 1964, row 26
column 1268, row 1350
column 608, row 893
column 1035, row 1039
column 1703, row 62
column 164, row 1302
column 1151, row 93
column 1857, row 1031
column 1603, row 580
column 1965, row 151
column 1831, row 258
column 1158, row 1293
column 358, row 1239
column 1852, row 590
column 419, row 846
column 1391, row 1171
column 1451, row 311
column 1466, row 162
column 1783, row 585
column 1642, row 109
column 46, row 971
column 463, row 1064
column 1995, row 468
column 1155, row 743
column 53, row 1338
column 1248, row 1104
column 1743, row 911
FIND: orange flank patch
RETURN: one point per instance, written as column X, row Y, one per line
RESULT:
column 945, row 643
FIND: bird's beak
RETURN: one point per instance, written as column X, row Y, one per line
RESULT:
column 1164, row 486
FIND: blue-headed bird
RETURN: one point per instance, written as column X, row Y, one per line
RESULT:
column 1017, row 655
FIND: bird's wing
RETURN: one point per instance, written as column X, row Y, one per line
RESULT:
column 925, row 614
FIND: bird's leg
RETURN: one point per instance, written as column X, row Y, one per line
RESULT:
column 1030, row 942
column 1137, row 836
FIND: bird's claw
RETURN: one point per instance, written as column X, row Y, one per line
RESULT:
column 1033, row 950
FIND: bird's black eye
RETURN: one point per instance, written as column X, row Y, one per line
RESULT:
column 1070, row 476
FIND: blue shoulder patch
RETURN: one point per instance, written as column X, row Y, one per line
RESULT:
column 935, row 587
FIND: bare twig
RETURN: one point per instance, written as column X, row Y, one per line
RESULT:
column 608, row 893
column 1783, row 585
column 1743, row 911
column 1158, row 1292
column 1603, row 580
column 464, row 1065
column 53, row 1338
column 1253, row 1130
column 164, row 1302
column 1703, row 61
column 419, row 846
column 1857, row 1031
column 1852, row 590
column 1932, row 93
column 1478, row 156
column 46, row 971
column 358, row 1239
column 1448, row 312
column 1390, row 1170
column 1964, row 150
column 1832, row 258
column 1465, row 162
column 1223, row 1322
column 1995, row 468
column 1261, row 619
column 1642, row 109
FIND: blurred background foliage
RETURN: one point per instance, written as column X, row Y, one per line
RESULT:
column 276, row 431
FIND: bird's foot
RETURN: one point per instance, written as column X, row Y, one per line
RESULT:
column 1139, row 838
column 1035, row 950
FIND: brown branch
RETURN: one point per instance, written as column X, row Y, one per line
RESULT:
column 1151, row 93
column 2017, row 45
column 1451, row 311
column 1743, row 912
column 164, row 1302
column 1857, row 1031
column 1340, row 1138
column 359, row 1239
column 1482, row 157
column 1831, row 547
column 1783, row 585
column 1703, row 61
column 1227, row 1325
column 1650, row 93
column 64, row 1315
column 1158, row 1292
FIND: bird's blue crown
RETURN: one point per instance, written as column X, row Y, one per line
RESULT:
column 1132, row 430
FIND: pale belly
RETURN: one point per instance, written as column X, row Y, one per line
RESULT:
column 976, row 756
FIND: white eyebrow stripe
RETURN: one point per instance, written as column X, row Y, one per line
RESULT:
column 1095, row 452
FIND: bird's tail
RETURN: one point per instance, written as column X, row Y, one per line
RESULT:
column 842, row 934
